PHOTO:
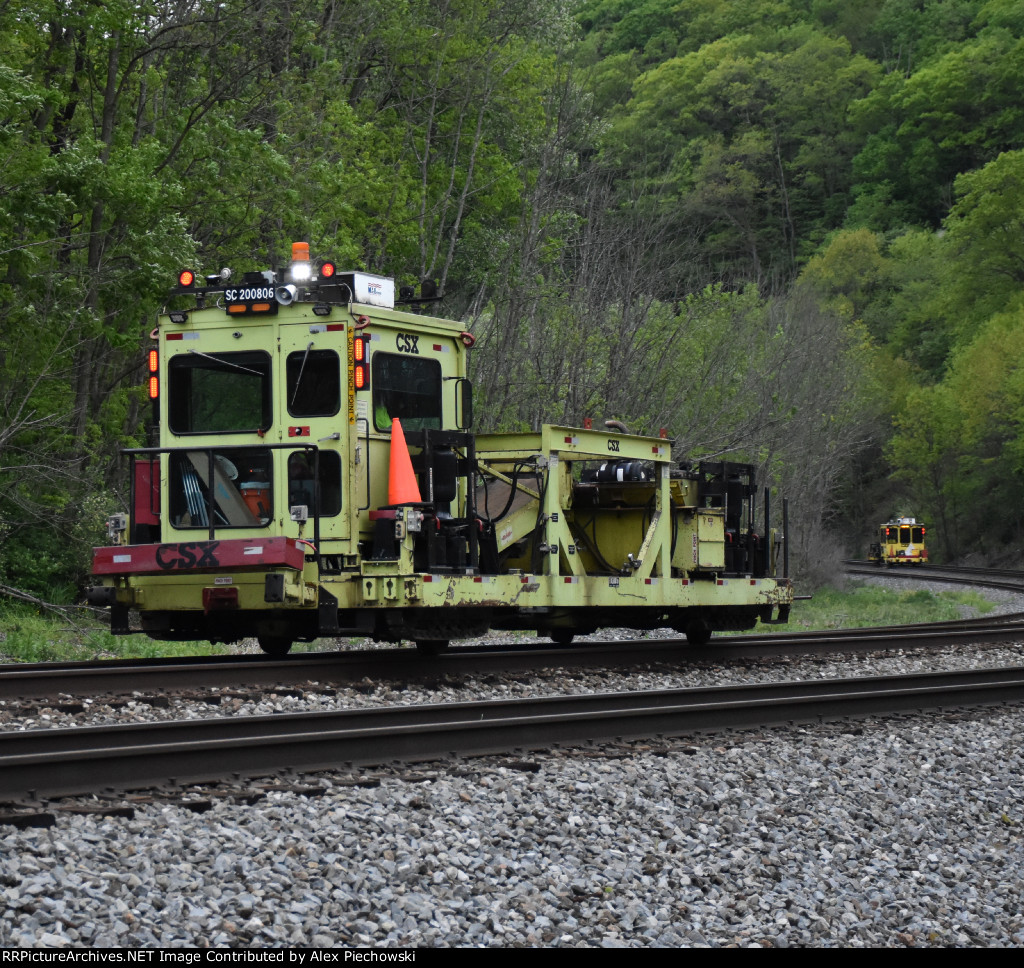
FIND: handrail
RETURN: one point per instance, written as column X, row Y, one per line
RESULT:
column 366, row 460
column 133, row 452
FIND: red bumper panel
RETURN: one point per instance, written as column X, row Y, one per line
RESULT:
column 157, row 559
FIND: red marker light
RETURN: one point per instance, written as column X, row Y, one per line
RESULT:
column 153, row 358
column 360, row 366
column 327, row 269
column 186, row 277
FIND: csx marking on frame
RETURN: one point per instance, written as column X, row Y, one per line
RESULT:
column 191, row 554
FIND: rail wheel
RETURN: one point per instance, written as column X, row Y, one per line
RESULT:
column 431, row 646
column 562, row 637
column 697, row 632
column 274, row 645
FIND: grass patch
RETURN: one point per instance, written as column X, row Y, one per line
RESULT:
column 867, row 606
column 26, row 635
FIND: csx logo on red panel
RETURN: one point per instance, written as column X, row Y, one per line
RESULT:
column 184, row 557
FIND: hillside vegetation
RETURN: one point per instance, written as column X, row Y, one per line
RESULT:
column 788, row 231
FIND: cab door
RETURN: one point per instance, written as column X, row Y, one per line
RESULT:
column 312, row 410
column 408, row 369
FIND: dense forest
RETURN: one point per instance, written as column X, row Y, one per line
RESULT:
column 789, row 231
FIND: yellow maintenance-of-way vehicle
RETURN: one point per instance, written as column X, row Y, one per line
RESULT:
column 317, row 475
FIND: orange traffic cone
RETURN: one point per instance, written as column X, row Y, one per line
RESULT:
column 402, row 486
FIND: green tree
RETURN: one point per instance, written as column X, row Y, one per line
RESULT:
column 141, row 137
column 955, row 113
column 749, row 136
column 929, row 455
column 847, row 273
column 985, row 233
column 905, row 34
column 959, row 444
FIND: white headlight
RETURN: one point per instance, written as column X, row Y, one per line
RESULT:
column 300, row 271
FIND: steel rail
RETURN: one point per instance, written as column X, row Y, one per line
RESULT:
column 162, row 676
column 948, row 569
column 972, row 577
column 981, row 572
column 37, row 763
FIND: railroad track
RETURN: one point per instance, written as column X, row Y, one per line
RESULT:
column 46, row 763
column 57, row 762
column 61, row 681
column 1005, row 579
column 159, row 677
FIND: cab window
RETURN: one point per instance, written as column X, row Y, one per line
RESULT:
column 219, row 393
column 406, row 387
column 234, row 487
column 301, row 489
column 313, row 383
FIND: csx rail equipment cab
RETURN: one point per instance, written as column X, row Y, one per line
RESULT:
column 900, row 542
column 316, row 475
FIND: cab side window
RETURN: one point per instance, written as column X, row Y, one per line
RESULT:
column 313, row 383
column 301, row 486
column 406, row 387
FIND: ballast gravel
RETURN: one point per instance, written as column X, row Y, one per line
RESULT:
column 903, row 832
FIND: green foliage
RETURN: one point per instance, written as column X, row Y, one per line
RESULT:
column 906, row 33
column 986, row 239
column 912, row 316
column 957, row 112
column 748, row 136
column 616, row 27
column 954, row 310
column 757, row 222
column 857, row 22
column 1007, row 14
column 930, row 454
column 707, row 20
column 136, row 140
column 847, row 272
column 899, row 290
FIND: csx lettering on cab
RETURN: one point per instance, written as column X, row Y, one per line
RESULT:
column 191, row 554
column 407, row 343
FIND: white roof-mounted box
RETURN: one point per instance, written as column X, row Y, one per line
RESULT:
column 368, row 289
